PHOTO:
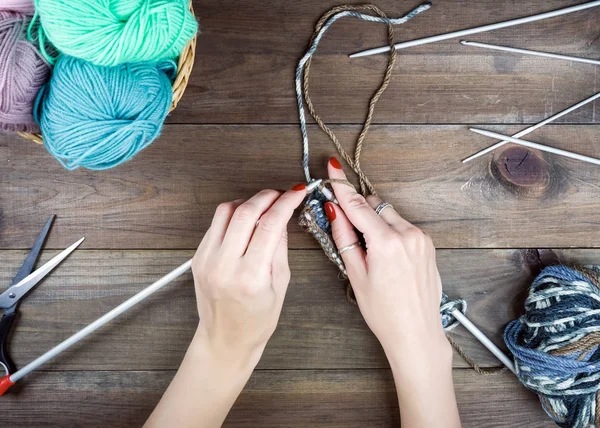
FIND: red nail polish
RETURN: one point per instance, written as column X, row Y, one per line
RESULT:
column 335, row 163
column 299, row 187
column 330, row 211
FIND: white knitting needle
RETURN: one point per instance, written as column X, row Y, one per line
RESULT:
column 483, row 339
column 8, row 381
column 534, row 127
column 463, row 33
column 537, row 146
column 530, row 52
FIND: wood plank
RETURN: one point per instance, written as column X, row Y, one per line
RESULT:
column 247, row 54
column 302, row 398
column 318, row 328
column 166, row 196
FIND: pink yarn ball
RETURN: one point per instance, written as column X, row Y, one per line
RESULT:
column 23, row 6
column 23, row 71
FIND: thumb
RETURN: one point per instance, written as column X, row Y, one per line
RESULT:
column 345, row 236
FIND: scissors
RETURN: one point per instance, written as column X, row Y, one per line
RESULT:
column 21, row 284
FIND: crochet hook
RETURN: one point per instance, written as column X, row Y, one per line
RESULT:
column 477, row 30
column 8, row 381
column 530, row 52
column 537, row 146
column 534, row 127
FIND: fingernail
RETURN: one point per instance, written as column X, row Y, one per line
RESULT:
column 299, row 187
column 330, row 211
column 335, row 163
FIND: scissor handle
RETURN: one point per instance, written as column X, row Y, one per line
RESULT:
column 5, row 324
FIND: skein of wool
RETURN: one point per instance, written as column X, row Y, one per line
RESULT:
column 23, row 6
column 99, row 117
column 23, row 71
column 112, row 32
column 556, row 344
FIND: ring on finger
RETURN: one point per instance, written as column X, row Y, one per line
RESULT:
column 349, row 247
column 382, row 206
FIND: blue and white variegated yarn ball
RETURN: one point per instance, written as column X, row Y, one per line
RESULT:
column 556, row 344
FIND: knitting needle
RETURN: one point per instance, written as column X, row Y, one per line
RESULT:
column 530, row 52
column 537, row 146
column 483, row 339
column 534, row 127
column 463, row 33
column 8, row 381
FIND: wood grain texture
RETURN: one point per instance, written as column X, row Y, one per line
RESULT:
column 248, row 51
column 318, row 329
column 165, row 198
column 299, row 398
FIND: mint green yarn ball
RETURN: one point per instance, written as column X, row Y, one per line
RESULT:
column 112, row 32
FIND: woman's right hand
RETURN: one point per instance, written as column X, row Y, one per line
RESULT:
column 398, row 289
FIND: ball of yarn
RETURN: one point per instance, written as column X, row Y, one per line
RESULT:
column 112, row 32
column 23, row 72
column 556, row 344
column 23, row 6
column 99, row 117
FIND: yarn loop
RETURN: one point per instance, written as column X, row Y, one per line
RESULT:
column 98, row 117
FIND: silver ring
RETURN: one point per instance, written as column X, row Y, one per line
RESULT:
column 379, row 209
column 349, row 247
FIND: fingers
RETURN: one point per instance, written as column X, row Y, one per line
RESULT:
column 344, row 235
column 213, row 238
column 355, row 206
column 273, row 224
column 243, row 222
column 389, row 215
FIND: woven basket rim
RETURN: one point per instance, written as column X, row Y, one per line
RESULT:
column 185, row 64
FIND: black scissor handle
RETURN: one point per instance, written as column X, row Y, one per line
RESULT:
column 5, row 323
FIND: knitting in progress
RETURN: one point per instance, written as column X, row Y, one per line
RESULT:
column 313, row 218
column 556, row 344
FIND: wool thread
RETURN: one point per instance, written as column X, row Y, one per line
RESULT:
column 23, row 71
column 556, row 344
column 100, row 117
column 22, row 6
column 110, row 33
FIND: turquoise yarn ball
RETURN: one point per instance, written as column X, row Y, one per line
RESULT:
column 112, row 32
column 99, row 117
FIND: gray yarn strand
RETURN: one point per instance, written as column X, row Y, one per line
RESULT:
column 313, row 48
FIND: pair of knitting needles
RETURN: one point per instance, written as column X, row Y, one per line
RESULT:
column 515, row 138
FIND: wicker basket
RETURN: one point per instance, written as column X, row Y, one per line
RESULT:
column 184, row 71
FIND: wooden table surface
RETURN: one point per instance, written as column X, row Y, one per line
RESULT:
column 497, row 220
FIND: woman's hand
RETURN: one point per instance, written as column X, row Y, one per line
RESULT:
column 241, row 275
column 398, row 289
column 241, row 272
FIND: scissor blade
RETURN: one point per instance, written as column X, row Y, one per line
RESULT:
column 17, row 291
column 32, row 257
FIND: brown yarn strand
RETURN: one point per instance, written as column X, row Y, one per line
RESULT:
column 365, row 185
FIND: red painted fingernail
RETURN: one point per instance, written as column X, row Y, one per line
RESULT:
column 330, row 211
column 299, row 187
column 335, row 163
